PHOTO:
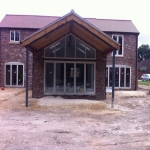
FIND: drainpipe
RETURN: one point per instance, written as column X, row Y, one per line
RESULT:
column 27, row 51
column 113, row 79
column 136, row 79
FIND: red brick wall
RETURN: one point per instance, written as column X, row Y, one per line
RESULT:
column 38, row 76
column 100, row 76
column 15, row 53
column 11, row 52
column 129, row 58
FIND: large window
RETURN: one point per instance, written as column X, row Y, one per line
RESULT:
column 70, row 47
column 120, row 40
column 122, row 76
column 14, row 36
column 14, row 74
column 69, row 78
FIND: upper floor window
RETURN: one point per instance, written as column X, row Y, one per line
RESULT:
column 70, row 47
column 120, row 40
column 14, row 36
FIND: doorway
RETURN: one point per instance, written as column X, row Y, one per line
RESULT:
column 73, row 78
column 14, row 74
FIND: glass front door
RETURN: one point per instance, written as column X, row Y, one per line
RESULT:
column 69, row 78
column 90, row 78
column 49, row 77
column 79, row 78
column 59, row 77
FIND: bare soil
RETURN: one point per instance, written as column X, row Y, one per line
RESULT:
column 52, row 124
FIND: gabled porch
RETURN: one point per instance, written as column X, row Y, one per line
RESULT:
column 69, row 59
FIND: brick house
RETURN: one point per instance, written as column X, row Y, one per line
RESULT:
column 69, row 56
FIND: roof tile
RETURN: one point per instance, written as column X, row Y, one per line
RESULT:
column 37, row 22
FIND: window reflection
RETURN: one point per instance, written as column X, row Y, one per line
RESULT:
column 70, row 46
column 80, row 49
column 90, row 78
column 70, row 78
column 59, row 77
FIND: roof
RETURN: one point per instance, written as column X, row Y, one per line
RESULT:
column 37, row 22
column 111, row 25
column 71, row 23
column 26, row 21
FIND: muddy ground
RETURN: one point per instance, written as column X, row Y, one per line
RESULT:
column 126, row 127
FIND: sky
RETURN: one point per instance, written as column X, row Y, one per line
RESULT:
column 136, row 10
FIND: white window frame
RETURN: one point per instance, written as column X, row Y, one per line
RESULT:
column 13, row 63
column 73, row 93
column 119, row 66
column 117, row 51
column 14, row 31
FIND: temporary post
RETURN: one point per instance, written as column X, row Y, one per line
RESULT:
column 113, row 79
column 27, row 51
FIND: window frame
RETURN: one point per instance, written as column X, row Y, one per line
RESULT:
column 17, row 64
column 86, row 45
column 119, row 66
column 14, row 32
column 74, row 92
column 117, row 52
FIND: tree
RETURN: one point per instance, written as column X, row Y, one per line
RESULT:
column 144, row 52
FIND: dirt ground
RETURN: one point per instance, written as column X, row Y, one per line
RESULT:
column 52, row 124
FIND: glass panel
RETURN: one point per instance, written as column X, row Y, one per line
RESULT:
column 121, row 77
column 49, row 77
column 127, row 77
column 14, row 74
column 90, row 53
column 79, row 78
column 16, row 36
column 12, row 36
column 60, row 48
column 70, row 78
column 7, row 74
column 90, row 78
column 80, row 49
column 116, row 77
column 70, row 46
column 110, row 77
column 49, row 51
column 59, row 77
column 107, row 76
column 20, row 74
column 115, row 38
column 120, row 41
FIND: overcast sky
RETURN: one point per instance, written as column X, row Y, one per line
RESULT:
column 136, row 10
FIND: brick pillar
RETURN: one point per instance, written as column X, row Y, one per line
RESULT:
column 100, row 76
